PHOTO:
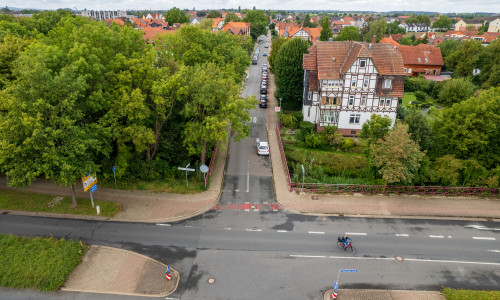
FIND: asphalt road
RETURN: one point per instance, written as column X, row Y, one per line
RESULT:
column 254, row 249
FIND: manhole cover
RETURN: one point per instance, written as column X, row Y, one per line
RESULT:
column 314, row 197
column 211, row 280
column 399, row 258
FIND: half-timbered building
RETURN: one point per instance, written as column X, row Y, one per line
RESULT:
column 346, row 82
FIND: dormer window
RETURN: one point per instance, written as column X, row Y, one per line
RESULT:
column 419, row 60
column 387, row 83
column 426, row 60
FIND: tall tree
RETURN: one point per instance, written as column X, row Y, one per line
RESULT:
column 275, row 47
column 375, row 128
column 10, row 48
column 465, row 58
column 442, row 24
column 175, row 15
column 418, row 128
column 232, row 17
column 397, row 156
column 456, row 90
column 258, row 22
column 307, row 21
column 375, row 28
column 489, row 63
column 289, row 73
column 349, row 33
column 326, row 31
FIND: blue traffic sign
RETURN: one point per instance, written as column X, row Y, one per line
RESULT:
column 93, row 188
column 114, row 168
column 348, row 271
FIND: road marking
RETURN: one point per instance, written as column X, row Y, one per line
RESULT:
column 316, row 232
column 402, row 234
column 236, row 190
column 484, row 238
column 449, row 236
column 255, row 119
column 497, row 251
column 159, row 224
column 247, row 210
column 228, row 228
column 255, row 210
column 436, row 236
column 355, row 233
column 248, row 176
column 308, row 256
column 250, row 229
column 282, row 230
column 405, row 259
column 167, row 298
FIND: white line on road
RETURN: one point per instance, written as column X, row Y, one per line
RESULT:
column 316, row 232
column 355, row 233
column 250, row 229
column 282, row 230
column 255, row 119
column 228, row 228
column 484, row 238
column 248, row 176
column 436, row 236
column 402, row 234
column 406, row 259
column 497, row 251
column 159, row 224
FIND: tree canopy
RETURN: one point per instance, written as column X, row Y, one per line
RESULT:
column 349, row 33
column 175, row 15
column 326, row 32
column 258, row 22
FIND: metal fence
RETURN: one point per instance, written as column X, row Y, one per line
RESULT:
column 322, row 188
column 212, row 160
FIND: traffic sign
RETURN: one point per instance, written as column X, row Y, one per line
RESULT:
column 277, row 109
column 88, row 181
column 114, row 168
column 93, row 188
column 348, row 271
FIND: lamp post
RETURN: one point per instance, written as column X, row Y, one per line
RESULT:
column 280, row 103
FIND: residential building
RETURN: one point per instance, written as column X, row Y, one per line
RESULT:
column 473, row 24
column 415, row 27
column 237, row 28
column 346, row 82
column 101, row 15
column 306, row 33
column 494, row 25
column 421, row 59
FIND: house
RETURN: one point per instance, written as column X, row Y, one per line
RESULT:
column 459, row 35
column 195, row 20
column 306, row 33
column 217, row 24
column 494, row 25
column 473, row 24
column 421, row 59
column 486, row 38
column 237, row 28
column 346, row 82
column 150, row 33
column 415, row 27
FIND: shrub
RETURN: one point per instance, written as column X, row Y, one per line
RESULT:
column 305, row 129
column 348, row 144
column 456, row 91
column 289, row 121
column 421, row 96
column 316, row 140
column 298, row 115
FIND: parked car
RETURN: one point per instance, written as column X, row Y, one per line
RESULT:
column 264, row 75
column 263, row 89
column 266, row 46
column 262, row 103
column 264, row 54
column 263, row 97
column 262, row 147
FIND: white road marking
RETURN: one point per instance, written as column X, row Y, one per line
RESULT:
column 405, row 259
column 248, row 176
column 228, row 228
column 402, row 234
column 436, row 236
column 355, row 233
column 255, row 119
column 497, row 251
column 480, row 227
column 247, row 210
column 159, row 224
column 236, row 190
column 250, row 229
column 256, row 209
column 449, row 236
column 484, row 238
column 167, row 298
column 316, row 232
column 282, row 230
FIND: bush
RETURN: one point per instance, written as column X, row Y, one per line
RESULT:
column 456, row 91
column 289, row 121
column 418, row 84
column 306, row 128
column 316, row 141
column 348, row 144
column 421, row 96
column 298, row 115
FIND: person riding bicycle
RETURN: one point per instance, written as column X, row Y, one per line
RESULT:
column 346, row 240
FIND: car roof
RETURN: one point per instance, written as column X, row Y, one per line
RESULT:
column 263, row 144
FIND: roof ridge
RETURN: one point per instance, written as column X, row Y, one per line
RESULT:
column 348, row 53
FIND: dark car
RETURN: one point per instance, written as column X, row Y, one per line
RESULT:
column 263, row 98
column 263, row 103
column 263, row 89
column 264, row 54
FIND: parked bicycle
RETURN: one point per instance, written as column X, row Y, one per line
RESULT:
column 349, row 248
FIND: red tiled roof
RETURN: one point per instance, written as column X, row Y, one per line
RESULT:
column 411, row 55
column 389, row 41
column 396, row 36
column 151, row 32
column 239, row 28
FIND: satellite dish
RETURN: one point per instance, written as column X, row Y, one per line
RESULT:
column 204, row 168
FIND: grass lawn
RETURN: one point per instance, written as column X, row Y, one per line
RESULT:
column 407, row 98
column 17, row 200
column 453, row 294
column 39, row 263
column 169, row 185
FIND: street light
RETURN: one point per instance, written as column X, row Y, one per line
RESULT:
column 280, row 103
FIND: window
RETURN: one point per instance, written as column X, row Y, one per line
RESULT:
column 351, row 100
column 309, row 111
column 425, row 71
column 366, row 81
column 353, row 81
column 387, row 102
column 363, row 100
column 409, row 71
column 426, row 60
column 419, row 60
column 354, row 118
column 309, row 96
column 329, row 116
column 405, row 70
column 381, row 102
column 362, row 63
column 387, row 83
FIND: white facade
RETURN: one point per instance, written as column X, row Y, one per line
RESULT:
column 349, row 102
column 100, row 15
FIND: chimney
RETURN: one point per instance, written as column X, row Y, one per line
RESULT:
column 374, row 39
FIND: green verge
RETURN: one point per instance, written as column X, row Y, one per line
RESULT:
column 26, row 201
column 168, row 185
column 39, row 263
column 454, row 294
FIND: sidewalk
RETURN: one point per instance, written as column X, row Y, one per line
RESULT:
column 384, row 295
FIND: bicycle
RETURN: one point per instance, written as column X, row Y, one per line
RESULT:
column 349, row 249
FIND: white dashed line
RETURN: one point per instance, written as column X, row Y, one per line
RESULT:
column 159, row 224
column 250, row 229
column 308, row 256
column 406, row 259
column 484, row 238
column 355, row 233
column 255, row 210
column 247, row 210
column 497, row 251
column 436, row 236
column 402, row 234
column 282, row 230
column 228, row 228
column 316, row 232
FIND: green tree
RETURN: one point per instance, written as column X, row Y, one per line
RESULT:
column 446, row 170
column 448, row 47
column 326, row 31
column 418, row 128
column 258, row 22
column 375, row 128
column 214, row 14
column 489, row 63
column 289, row 73
column 471, row 129
column 456, row 90
column 349, row 33
column 175, row 15
column 464, row 59
column 232, row 17
column 375, row 28
column 275, row 47
column 201, row 13
column 10, row 48
column 397, row 156
column 442, row 24
column 214, row 104
column 394, row 28
column 307, row 21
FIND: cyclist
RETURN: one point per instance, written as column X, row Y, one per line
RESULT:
column 346, row 241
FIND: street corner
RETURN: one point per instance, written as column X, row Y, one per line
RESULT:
column 109, row 270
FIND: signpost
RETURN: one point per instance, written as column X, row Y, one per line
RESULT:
column 89, row 182
column 204, row 170
column 277, row 109
column 303, row 175
column 186, row 169
column 336, row 283
column 114, row 175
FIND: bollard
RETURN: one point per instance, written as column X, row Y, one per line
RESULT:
column 167, row 274
column 98, row 209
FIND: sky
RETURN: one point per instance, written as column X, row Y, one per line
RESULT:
column 441, row 6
